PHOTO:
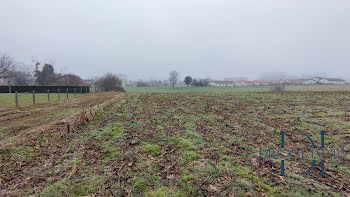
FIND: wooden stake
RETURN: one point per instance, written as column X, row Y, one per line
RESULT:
column 33, row 96
column 16, row 98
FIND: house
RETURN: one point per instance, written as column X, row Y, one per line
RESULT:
column 302, row 81
column 261, row 83
column 241, row 83
column 332, row 81
column 222, row 83
column 284, row 81
column 123, row 78
column 308, row 81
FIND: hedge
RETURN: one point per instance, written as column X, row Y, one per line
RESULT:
column 44, row 89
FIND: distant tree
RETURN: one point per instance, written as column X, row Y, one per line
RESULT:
column 37, row 72
column 155, row 83
column 20, row 75
column 18, row 78
column 188, row 80
column 109, row 82
column 200, row 82
column 141, row 84
column 196, row 82
column 205, row 81
column 46, row 76
column 71, row 79
column 6, row 65
column 174, row 76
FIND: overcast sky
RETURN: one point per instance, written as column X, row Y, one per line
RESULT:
column 148, row 38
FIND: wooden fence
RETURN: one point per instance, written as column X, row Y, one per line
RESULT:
column 59, row 94
column 43, row 89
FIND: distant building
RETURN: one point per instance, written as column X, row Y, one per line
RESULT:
column 132, row 83
column 301, row 81
column 124, row 79
column 308, row 81
column 3, row 82
column 261, row 83
column 240, row 83
column 333, row 81
column 311, row 81
column 222, row 83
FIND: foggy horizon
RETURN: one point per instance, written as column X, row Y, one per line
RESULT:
column 147, row 39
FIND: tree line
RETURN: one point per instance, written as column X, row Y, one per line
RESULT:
column 44, row 74
column 188, row 80
column 173, row 80
column 16, row 73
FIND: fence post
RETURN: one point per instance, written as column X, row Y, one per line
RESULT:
column 48, row 95
column 16, row 98
column 75, row 92
column 81, row 90
column 33, row 96
column 10, row 89
column 58, row 93
column 67, row 92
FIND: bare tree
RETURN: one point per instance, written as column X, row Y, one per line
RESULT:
column 6, row 65
column 174, row 76
column 20, row 75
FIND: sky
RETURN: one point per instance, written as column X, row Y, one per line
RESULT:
column 146, row 39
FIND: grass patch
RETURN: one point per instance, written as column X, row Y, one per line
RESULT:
column 152, row 148
column 190, row 156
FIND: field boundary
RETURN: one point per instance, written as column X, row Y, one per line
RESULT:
column 60, row 127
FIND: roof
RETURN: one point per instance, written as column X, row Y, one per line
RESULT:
column 222, row 81
column 261, row 81
column 333, row 79
column 3, row 83
column 242, row 81
column 328, row 79
column 299, row 80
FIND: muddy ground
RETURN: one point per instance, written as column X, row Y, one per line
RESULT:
column 180, row 144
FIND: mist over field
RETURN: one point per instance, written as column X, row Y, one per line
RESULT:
column 203, row 38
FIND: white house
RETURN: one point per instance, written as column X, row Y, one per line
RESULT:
column 222, row 83
column 123, row 78
column 241, row 83
column 260, row 83
column 302, row 81
column 332, row 81
column 308, row 81
column 284, row 81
